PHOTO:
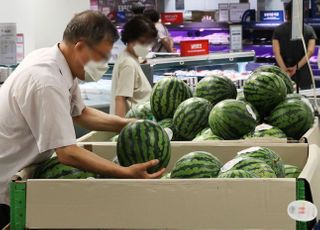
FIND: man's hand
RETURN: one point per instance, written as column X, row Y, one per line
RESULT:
column 139, row 171
column 292, row 71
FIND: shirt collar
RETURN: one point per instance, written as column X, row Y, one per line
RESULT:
column 63, row 67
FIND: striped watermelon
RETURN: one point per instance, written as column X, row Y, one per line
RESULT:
column 237, row 174
column 291, row 171
column 142, row 141
column 167, row 95
column 266, row 131
column 216, row 88
column 264, row 91
column 252, row 165
column 166, row 123
column 276, row 70
column 304, row 99
column 266, row 155
column 53, row 169
column 206, row 135
column 294, row 117
column 232, row 119
column 197, row 164
column 140, row 111
column 191, row 117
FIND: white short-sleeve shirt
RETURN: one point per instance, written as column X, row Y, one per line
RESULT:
column 128, row 80
column 37, row 103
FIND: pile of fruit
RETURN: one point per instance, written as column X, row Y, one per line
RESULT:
column 267, row 107
column 254, row 162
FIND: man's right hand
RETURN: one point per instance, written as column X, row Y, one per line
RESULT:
column 139, row 171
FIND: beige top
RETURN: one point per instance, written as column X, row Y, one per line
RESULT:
column 128, row 80
column 37, row 102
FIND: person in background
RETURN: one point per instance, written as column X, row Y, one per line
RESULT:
column 41, row 100
column 290, row 55
column 164, row 42
column 138, row 8
column 130, row 86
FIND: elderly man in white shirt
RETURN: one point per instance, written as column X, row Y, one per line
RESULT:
column 41, row 100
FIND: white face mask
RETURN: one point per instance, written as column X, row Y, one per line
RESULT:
column 141, row 50
column 94, row 71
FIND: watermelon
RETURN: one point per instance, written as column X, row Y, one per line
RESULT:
column 266, row 131
column 166, row 123
column 293, row 116
column 53, row 169
column 206, row 135
column 252, row 165
column 114, row 139
column 191, row 117
column 166, row 176
column 264, row 91
column 167, row 95
column 232, row 119
column 291, row 171
column 142, row 141
column 197, row 164
column 266, row 155
column 237, row 174
column 216, row 88
column 140, row 111
column 276, row 70
column 240, row 97
column 304, row 99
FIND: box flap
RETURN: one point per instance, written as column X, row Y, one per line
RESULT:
column 313, row 134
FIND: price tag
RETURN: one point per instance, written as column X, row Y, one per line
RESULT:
column 249, row 150
column 230, row 164
column 301, row 210
column 249, row 109
column 169, row 133
column 263, row 127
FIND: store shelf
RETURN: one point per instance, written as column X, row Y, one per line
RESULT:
column 214, row 58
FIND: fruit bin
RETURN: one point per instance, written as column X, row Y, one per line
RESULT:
column 312, row 136
column 170, row 204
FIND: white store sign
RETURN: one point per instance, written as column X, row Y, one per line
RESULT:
column 8, row 48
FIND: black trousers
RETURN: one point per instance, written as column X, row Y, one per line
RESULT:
column 4, row 215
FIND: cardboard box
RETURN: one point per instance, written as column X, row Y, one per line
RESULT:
column 176, row 204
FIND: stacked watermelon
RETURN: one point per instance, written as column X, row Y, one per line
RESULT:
column 216, row 88
column 291, row 171
column 53, row 169
column 142, row 141
column 141, row 111
column 237, row 174
column 197, row 164
column 266, row 131
column 206, row 135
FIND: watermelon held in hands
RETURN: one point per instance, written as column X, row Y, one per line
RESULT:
column 266, row 155
column 293, row 116
column 142, row 141
column 167, row 95
column 191, row 117
column 216, row 88
column 197, row 164
column 140, row 111
column 232, row 119
column 276, row 70
column 53, row 169
column 252, row 165
column 266, row 131
column 237, row 174
column 264, row 91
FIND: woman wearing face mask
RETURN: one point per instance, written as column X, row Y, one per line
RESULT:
column 129, row 84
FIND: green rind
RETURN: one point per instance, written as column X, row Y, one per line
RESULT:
column 167, row 95
column 231, row 119
column 166, row 123
column 141, row 111
column 237, row 174
column 266, row 155
column 272, row 132
column 206, row 135
column 197, row 164
column 216, row 88
column 264, row 91
column 191, row 117
column 291, row 171
column 293, row 116
column 142, row 141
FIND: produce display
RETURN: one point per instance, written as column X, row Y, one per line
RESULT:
column 237, row 174
column 191, row 117
column 232, row 119
column 291, row 171
column 166, row 123
column 141, row 111
column 222, row 87
column 266, row 155
column 206, row 135
column 142, row 141
column 196, row 165
column 266, row 131
column 53, row 169
column 264, row 90
column 167, row 95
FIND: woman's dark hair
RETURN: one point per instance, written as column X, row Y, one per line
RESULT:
column 138, row 27
column 289, row 10
column 152, row 14
column 138, row 8
column 91, row 26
